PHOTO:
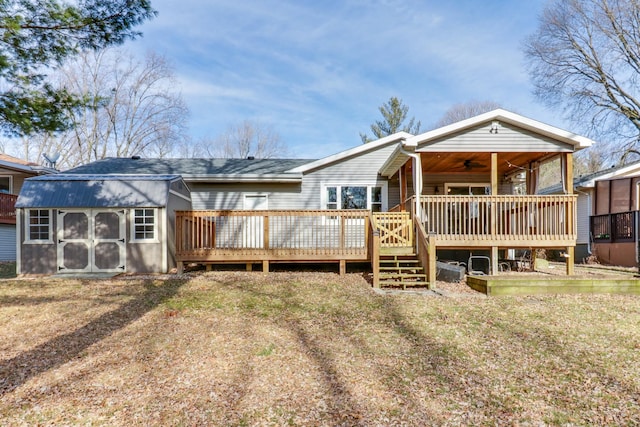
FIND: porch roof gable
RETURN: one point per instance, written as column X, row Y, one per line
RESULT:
column 428, row 141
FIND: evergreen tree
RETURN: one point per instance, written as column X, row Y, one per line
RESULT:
column 38, row 35
column 394, row 113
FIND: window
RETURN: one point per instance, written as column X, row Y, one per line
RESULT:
column 5, row 184
column 354, row 197
column 39, row 225
column 468, row 189
column 144, row 224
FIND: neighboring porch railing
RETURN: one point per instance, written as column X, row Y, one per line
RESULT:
column 616, row 227
column 220, row 236
column 501, row 220
column 8, row 208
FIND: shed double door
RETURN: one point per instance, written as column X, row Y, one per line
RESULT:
column 91, row 240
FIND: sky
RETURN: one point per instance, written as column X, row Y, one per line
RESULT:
column 316, row 72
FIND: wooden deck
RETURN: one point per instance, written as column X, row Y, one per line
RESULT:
column 528, row 285
column 239, row 236
column 273, row 236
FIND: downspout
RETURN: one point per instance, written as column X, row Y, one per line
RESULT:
column 417, row 179
column 635, row 216
column 589, row 210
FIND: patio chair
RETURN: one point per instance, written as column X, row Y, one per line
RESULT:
column 478, row 265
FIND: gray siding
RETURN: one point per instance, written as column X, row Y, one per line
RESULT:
column 303, row 196
column 144, row 257
column 509, row 139
column 7, row 242
column 37, row 258
column 175, row 203
column 359, row 169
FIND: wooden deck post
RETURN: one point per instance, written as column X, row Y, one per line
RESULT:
column 570, row 260
column 375, row 258
column 569, row 218
column 431, row 254
column 343, row 267
column 494, row 260
column 180, row 267
column 265, row 266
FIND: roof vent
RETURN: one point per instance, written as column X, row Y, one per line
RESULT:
column 135, row 157
column 251, row 158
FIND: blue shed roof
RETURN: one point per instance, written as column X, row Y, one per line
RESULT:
column 95, row 191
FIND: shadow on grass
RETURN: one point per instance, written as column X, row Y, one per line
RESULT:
column 18, row 370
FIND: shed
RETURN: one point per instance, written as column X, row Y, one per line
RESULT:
column 99, row 223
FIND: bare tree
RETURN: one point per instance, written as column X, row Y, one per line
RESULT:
column 464, row 111
column 585, row 59
column 248, row 138
column 132, row 108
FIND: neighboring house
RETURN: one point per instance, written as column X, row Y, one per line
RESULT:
column 13, row 172
column 99, row 223
column 457, row 187
column 615, row 215
column 592, row 191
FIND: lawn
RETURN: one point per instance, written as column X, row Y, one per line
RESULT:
column 241, row 349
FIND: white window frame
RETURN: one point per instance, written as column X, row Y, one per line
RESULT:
column 156, row 230
column 10, row 182
column 369, row 185
column 484, row 185
column 27, row 231
column 247, row 196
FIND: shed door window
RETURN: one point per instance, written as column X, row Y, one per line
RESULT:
column 39, row 225
column 144, row 224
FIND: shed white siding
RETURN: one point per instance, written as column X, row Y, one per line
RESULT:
column 584, row 211
column 7, row 242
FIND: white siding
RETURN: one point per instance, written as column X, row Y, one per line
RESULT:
column 508, row 139
column 7, row 242
column 584, row 211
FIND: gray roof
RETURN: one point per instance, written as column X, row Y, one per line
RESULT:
column 89, row 191
column 197, row 169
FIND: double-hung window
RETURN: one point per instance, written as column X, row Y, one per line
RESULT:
column 38, row 225
column 144, row 225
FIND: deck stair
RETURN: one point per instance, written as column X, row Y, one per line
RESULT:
column 401, row 271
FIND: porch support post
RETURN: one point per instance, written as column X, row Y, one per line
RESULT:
column 569, row 220
column 402, row 176
column 343, row 267
column 265, row 266
column 494, row 260
column 431, row 254
column 494, row 212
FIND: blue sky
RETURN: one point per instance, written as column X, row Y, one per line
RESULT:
column 317, row 71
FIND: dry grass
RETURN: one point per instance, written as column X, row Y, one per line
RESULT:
column 310, row 349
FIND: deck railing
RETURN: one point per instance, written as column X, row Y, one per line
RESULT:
column 616, row 227
column 272, row 235
column 501, row 220
column 8, row 208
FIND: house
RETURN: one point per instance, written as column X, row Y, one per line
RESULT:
column 13, row 172
column 98, row 223
column 401, row 200
column 593, row 201
column 613, row 220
